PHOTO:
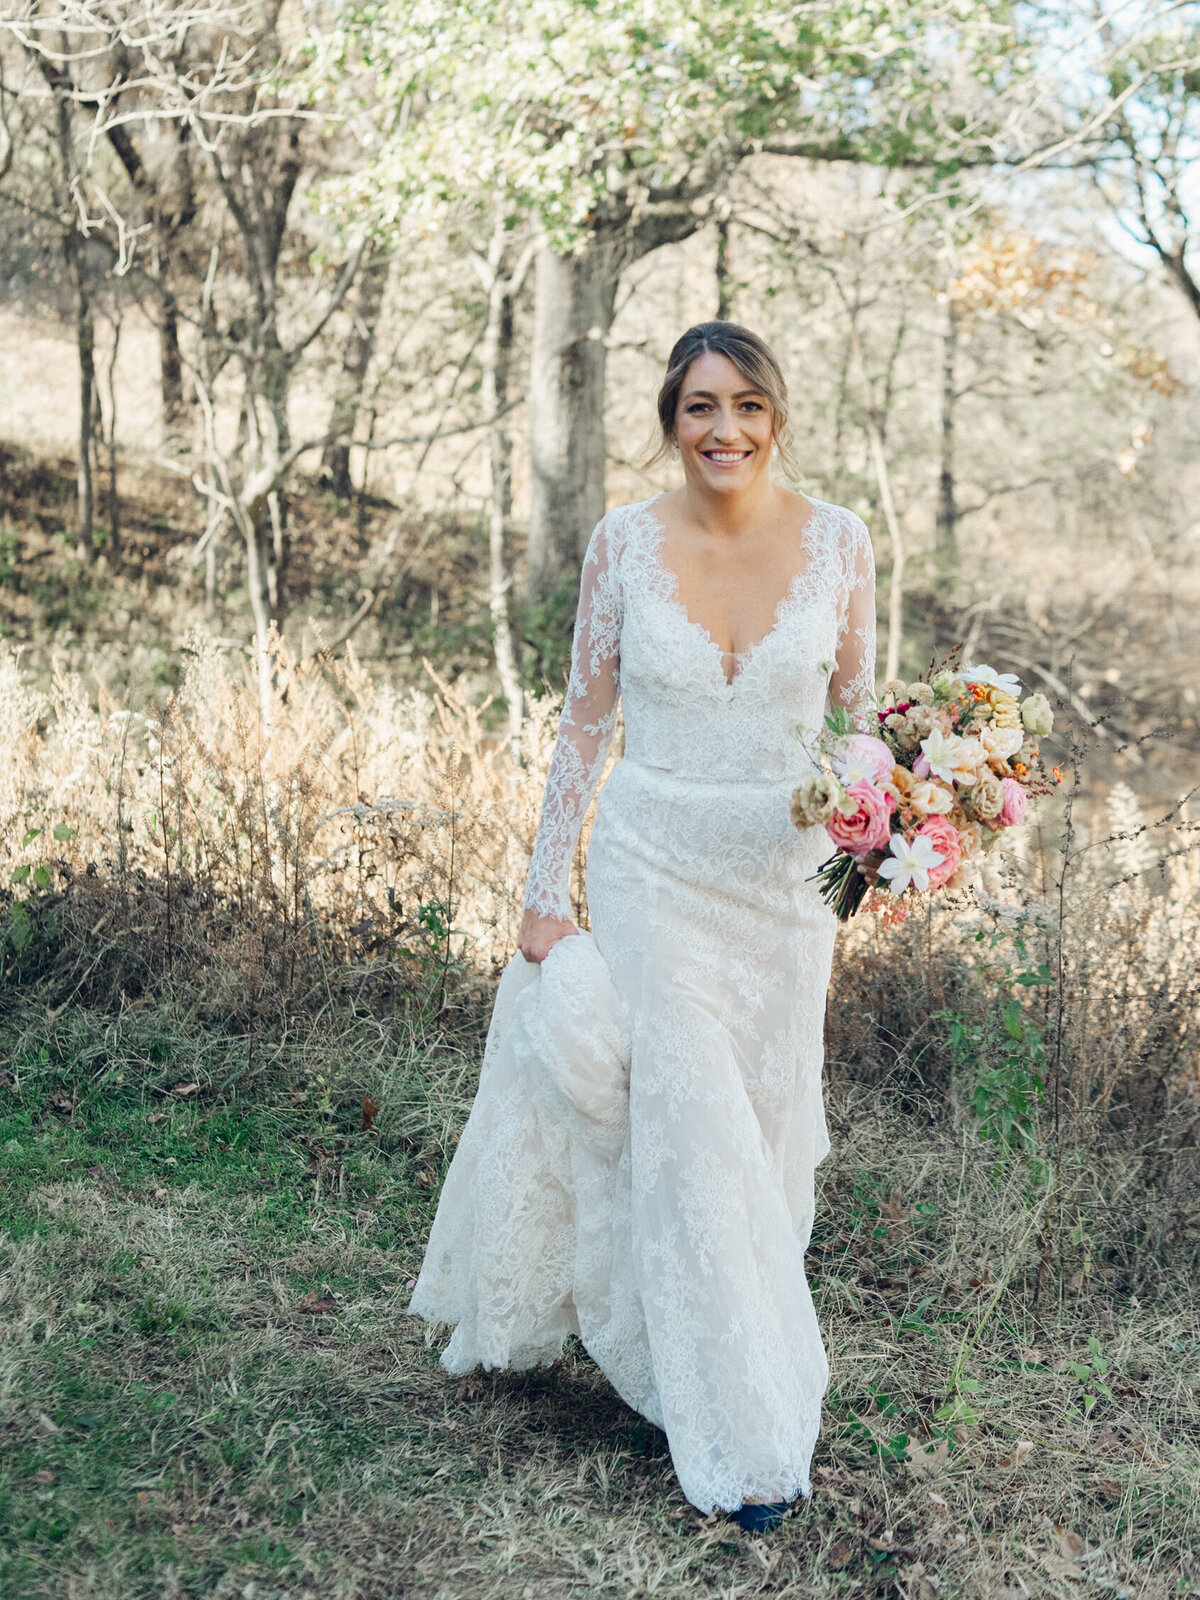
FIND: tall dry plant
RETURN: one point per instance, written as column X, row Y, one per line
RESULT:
column 362, row 843
column 357, row 838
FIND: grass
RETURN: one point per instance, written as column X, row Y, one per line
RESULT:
column 210, row 1385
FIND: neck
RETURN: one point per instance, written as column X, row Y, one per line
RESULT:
column 725, row 516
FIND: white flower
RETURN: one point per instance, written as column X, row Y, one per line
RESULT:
column 994, row 680
column 861, row 756
column 909, row 863
column 950, row 758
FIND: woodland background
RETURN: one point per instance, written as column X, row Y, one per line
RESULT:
column 328, row 332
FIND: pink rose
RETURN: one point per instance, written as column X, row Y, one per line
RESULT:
column 867, row 828
column 1012, row 807
column 861, row 756
column 943, row 836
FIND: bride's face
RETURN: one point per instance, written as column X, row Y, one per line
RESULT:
column 723, row 426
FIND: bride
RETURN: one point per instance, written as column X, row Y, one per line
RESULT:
column 638, row 1166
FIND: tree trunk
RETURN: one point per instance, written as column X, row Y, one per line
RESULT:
column 947, row 513
column 573, row 312
column 496, row 363
column 895, row 633
column 110, row 442
column 356, row 358
column 171, row 365
column 256, row 532
column 85, row 338
column 723, row 275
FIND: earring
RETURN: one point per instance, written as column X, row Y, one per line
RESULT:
column 675, row 450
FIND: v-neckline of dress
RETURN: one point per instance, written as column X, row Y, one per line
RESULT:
column 671, row 595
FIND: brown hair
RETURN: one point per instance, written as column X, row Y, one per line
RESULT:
column 753, row 358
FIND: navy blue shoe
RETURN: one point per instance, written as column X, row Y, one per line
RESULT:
column 760, row 1518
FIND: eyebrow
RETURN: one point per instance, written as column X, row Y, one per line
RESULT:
column 707, row 394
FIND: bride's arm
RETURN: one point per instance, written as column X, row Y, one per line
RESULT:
column 585, row 733
column 853, row 682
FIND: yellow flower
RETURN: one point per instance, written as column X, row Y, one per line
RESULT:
column 1006, row 713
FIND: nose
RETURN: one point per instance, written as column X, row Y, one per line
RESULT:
column 725, row 426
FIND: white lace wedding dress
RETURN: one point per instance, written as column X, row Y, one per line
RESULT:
column 639, row 1161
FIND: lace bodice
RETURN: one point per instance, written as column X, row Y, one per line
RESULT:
column 635, row 643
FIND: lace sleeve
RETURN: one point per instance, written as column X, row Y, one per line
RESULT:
column 853, row 682
column 588, row 717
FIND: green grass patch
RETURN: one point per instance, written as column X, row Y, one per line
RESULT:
column 210, row 1385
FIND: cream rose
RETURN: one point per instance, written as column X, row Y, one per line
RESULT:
column 986, row 797
column 1037, row 715
column 929, row 798
column 815, row 800
column 1000, row 743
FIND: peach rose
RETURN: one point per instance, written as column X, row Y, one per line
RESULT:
column 867, row 827
column 943, row 836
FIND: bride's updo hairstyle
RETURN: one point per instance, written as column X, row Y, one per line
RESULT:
column 753, row 358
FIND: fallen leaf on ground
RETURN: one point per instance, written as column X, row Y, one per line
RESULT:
column 894, row 1211
column 44, row 1477
column 97, row 1171
column 1021, row 1451
column 183, row 1090
column 369, row 1112
column 839, row 1556
column 315, row 1305
column 1070, row 1544
column 892, row 1549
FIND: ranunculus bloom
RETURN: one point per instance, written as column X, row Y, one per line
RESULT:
column 862, row 757
column 867, row 827
column 943, row 836
column 1012, row 806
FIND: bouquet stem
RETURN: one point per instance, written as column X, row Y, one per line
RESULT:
column 843, row 886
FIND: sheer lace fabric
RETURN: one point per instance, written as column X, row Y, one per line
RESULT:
column 638, row 1167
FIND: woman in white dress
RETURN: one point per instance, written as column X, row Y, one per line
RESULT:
column 638, row 1166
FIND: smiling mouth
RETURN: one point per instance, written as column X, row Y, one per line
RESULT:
column 725, row 458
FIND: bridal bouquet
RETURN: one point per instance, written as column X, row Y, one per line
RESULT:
column 910, row 808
